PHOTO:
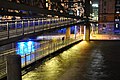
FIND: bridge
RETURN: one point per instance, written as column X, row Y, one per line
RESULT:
column 18, row 29
column 42, row 33
column 14, row 30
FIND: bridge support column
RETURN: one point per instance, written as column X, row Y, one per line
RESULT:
column 87, row 32
column 75, row 32
column 82, row 29
column 14, row 67
column 67, row 32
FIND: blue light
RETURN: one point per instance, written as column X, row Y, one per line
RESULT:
column 62, row 31
column 30, row 43
column 25, row 47
column 72, row 29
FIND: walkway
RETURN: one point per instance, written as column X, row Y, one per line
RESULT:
column 104, row 37
column 97, row 60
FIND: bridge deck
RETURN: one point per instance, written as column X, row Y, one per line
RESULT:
column 12, row 30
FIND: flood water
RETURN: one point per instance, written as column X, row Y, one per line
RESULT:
column 94, row 60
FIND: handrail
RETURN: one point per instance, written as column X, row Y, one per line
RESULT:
column 46, row 48
column 10, row 20
column 17, row 28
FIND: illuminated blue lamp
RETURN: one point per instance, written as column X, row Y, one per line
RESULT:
column 25, row 47
column 62, row 31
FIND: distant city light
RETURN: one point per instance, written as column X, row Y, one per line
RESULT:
column 94, row 5
column 117, row 12
column 90, row 2
column 46, row 4
column 117, row 25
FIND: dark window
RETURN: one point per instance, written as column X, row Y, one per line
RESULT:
column 104, row 10
column 104, row 3
column 104, row 18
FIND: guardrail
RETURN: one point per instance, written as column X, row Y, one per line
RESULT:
column 14, row 28
column 45, row 49
column 3, row 58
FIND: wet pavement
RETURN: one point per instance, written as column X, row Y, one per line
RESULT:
column 94, row 60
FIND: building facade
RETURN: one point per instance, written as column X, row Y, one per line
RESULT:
column 71, row 7
column 109, row 17
column 117, row 17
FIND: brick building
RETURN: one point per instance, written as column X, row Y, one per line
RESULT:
column 109, row 16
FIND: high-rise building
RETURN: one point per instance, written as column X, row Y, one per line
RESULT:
column 95, row 11
column 109, row 16
column 117, row 17
column 71, row 7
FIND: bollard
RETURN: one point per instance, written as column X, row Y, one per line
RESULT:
column 14, row 67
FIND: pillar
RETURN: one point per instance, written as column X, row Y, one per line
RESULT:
column 80, row 30
column 67, row 32
column 75, row 32
column 87, row 32
column 81, row 36
column 14, row 67
column 88, row 10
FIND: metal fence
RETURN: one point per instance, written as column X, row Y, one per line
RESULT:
column 14, row 28
column 3, row 59
column 46, row 48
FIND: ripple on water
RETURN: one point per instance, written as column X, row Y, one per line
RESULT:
column 97, row 67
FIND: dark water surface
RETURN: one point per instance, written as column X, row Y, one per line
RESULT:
column 94, row 60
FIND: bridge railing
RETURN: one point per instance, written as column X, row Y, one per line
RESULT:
column 3, row 59
column 46, row 48
column 14, row 28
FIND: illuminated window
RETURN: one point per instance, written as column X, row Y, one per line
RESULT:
column 117, row 25
column 46, row 4
column 116, row 19
column 104, row 3
column 94, row 5
column 117, row 12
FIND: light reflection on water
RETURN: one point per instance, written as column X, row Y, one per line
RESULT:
column 57, row 66
column 97, row 60
column 96, row 68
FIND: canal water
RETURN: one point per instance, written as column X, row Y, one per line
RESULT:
column 94, row 60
